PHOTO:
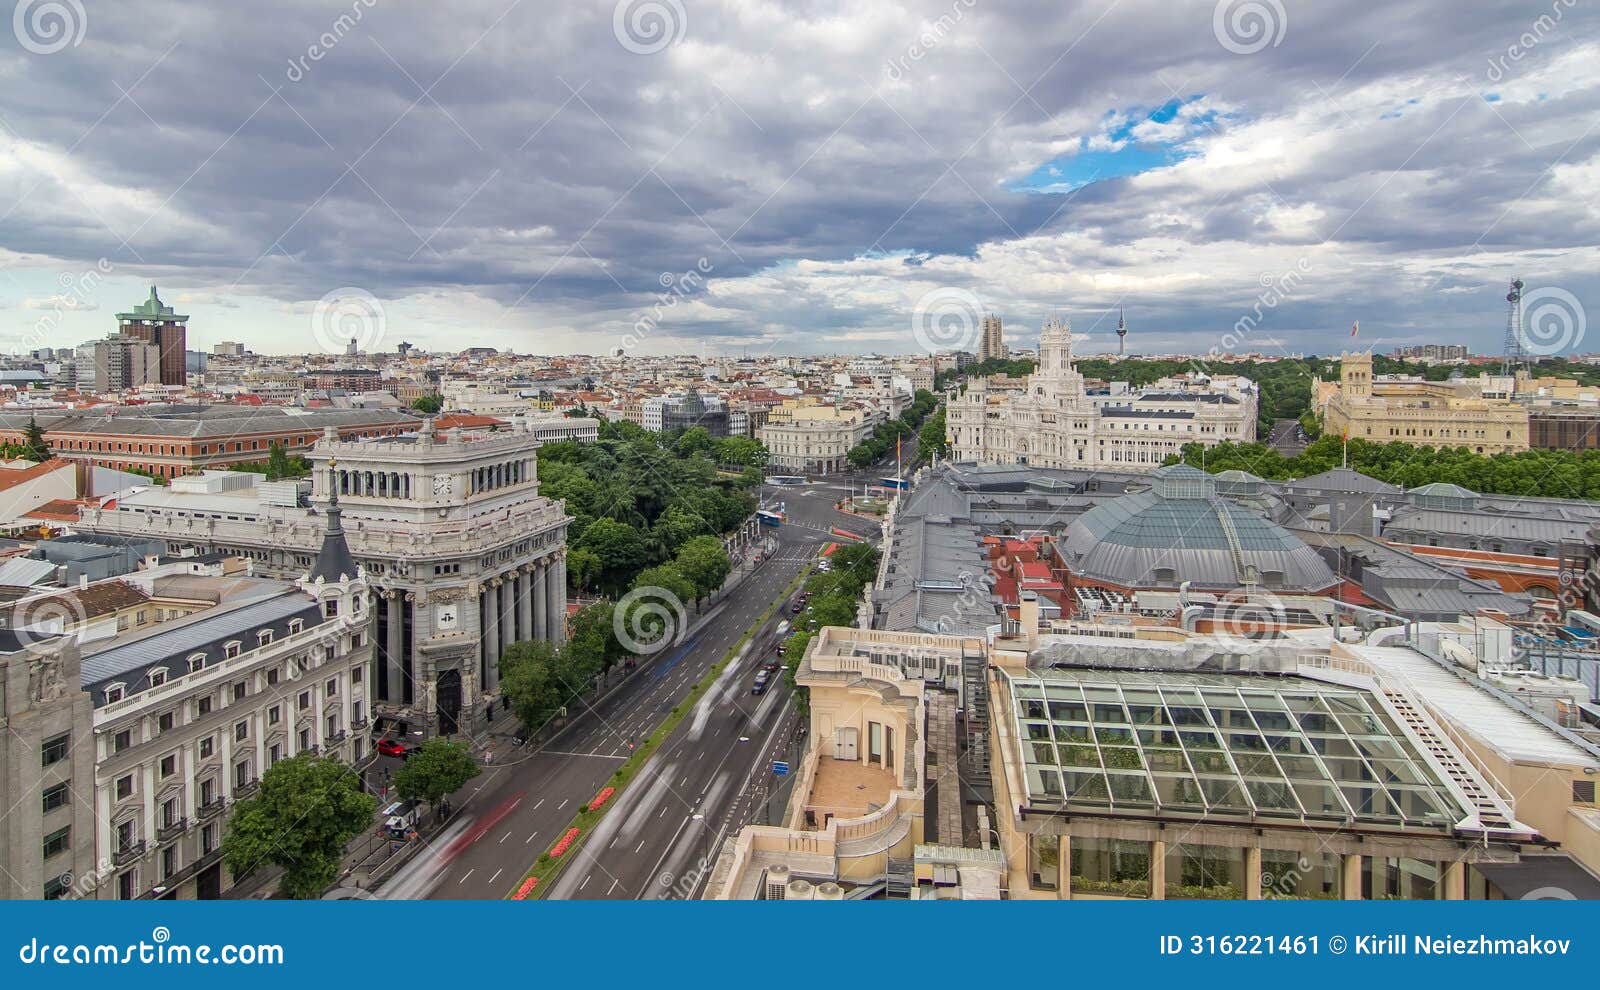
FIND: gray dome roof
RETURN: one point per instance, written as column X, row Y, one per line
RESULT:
column 1180, row 530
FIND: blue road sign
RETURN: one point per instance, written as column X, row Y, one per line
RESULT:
column 780, row 768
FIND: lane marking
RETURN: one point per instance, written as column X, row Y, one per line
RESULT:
column 464, row 878
column 496, row 875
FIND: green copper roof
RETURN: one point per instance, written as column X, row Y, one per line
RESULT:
column 153, row 309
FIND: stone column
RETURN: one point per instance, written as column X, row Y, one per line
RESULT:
column 396, row 645
column 538, row 576
column 1350, row 879
column 491, row 655
column 527, row 616
column 1454, row 886
column 556, row 588
column 1158, row 870
column 508, row 615
column 491, row 619
column 1252, row 873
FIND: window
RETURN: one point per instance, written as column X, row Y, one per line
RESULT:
column 197, row 663
column 331, row 688
column 305, row 739
column 54, row 797
column 274, row 754
column 165, row 722
column 169, row 862
column 57, row 886
column 272, row 677
column 207, row 747
column 241, row 774
column 202, row 707
column 355, row 675
column 169, row 812
column 208, row 840
column 208, row 791
column 239, row 691
column 121, row 741
column 169, row 765
column 113, row 694
column 57, row 842
column 305, row 700
column 230, row 650
column 1583, row 792
column 241, row 732
column 158, row 677
column 274, row 714
column 124, row 786
column 264, row 637
column 295, row 625
column 330, row 608
column 54, row 750
column 126, row 887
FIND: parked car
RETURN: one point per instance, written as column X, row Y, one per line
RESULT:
column 391, row 747
column 796, row 607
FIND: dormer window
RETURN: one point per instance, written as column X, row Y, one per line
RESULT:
column 158, row 677
column 264, row 637
column 231, row 649
column 330, row 608
column 113, row 693
column 295, row 625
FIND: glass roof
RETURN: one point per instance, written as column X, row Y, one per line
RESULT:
column 1222, row 746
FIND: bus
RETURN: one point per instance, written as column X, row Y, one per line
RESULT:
column 894, row 484
column 767, row 517
column 790, row 480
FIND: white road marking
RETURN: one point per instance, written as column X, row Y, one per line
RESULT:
column 496, row 875
column 464, row 878
column 505, row 837
column 530, row 838
column 585, row 882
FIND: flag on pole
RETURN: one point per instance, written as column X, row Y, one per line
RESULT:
column 1354, row 327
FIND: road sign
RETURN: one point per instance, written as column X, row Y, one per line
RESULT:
column 780, row 768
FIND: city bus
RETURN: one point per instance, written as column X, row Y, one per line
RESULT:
column 767, row 517
column 894, row 484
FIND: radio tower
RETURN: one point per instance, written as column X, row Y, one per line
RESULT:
column 1122, row 331
column 1514, row 356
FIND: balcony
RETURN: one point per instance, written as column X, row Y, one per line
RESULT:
column 242, row 791
column 126, row 854
column 211, row 808
column 172, row 830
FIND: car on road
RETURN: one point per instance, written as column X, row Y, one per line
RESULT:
column 783, row 628
column 390, row 747
column 771, row 667
column 796, row 607
column 760, row 685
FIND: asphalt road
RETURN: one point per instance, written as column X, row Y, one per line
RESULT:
column 706, row 769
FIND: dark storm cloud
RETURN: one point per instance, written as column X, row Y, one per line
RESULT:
column 521, row 153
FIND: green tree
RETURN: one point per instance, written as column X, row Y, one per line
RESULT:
column 438, row 767
column 620, row 549
column 278, row 466
column 308, row 809
column 530, row 678
column 704, row 561
column 931, row 438
column 428, row 405
column 33, row 442
column 593, row 640
column 583, row 568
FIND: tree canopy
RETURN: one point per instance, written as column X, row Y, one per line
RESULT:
column 437, row 768
column 308, row 808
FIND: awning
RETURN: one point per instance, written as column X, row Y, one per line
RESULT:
column 1542, row 878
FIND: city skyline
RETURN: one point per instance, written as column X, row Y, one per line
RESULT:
column 665, row 192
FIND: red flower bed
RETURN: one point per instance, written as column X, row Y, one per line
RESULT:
column 565, row 843
column 526, row 889
column 602, row 798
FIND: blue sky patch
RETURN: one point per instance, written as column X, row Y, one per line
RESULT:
column 1127, row 154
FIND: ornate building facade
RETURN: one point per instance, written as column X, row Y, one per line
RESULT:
column 1051, row 420
column 463, row 554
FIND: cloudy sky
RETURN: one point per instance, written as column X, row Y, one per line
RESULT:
column 728, row 176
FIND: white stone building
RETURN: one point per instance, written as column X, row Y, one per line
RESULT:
column 1050, row 420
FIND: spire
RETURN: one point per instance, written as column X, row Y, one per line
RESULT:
column 1122, row 330
column 334, row 562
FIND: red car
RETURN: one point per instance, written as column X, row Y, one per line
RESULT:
column 389, row 747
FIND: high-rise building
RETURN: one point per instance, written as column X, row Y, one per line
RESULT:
column 156, row 323
column 122, row 362
column 991, row 343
